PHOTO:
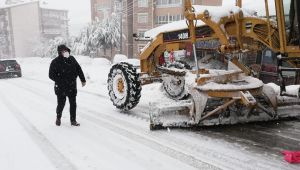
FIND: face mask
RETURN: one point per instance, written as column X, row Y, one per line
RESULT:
column 66, row 54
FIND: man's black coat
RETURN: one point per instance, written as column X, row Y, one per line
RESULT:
column 64, row 72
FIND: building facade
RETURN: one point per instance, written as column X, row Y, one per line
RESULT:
column 149, row 14
column 138, row 16
column 5, row 38
column 54, row 23
column 24, row 24
column 101, row 9
column 19, row 36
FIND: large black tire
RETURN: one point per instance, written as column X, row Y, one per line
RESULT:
column 124, row 75
column 173, row 90
column 176, row 91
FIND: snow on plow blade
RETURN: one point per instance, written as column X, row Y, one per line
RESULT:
column 179, row 115
column 201, row 110
column 175, row 114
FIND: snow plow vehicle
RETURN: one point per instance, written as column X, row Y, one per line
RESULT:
column 210, row 96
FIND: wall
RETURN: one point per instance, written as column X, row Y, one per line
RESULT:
column 25, row 28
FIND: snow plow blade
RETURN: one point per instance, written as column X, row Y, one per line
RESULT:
column 175, row 114
column 202, row 110
column 178, row 115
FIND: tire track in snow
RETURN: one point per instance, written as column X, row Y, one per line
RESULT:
column 50, row 151
column 146, row 141
column 111, row 123
column 221, row 160
column 103, row 127
column 223, row 136
column 257, row 137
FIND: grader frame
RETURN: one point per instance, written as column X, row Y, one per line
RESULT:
column 251, row 33
column 235, row 33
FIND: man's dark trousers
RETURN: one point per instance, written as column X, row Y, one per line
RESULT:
column 61, row 101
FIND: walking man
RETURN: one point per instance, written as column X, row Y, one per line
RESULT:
column 64, row 71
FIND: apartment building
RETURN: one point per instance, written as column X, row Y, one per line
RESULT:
column 24, row 24
column 101, row 9
column 5, row 39
column 139, row 16
column 159, row 12
column 20, row 29
column 54, row 23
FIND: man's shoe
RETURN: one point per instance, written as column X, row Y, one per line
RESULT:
column 74, row 123
column 58, row 122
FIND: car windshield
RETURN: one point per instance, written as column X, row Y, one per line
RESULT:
column 9, row 62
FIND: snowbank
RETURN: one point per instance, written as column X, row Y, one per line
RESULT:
column 290, row 90
column 123, row 58
column 35, row 67
column 95, row 70
column 119, row 58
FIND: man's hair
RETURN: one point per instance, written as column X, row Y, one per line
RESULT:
column 62, row 48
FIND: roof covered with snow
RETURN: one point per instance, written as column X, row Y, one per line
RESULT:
column 51, row 5
column 43, row 4
column 24, row 2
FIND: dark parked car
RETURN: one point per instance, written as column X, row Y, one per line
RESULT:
column 10, row 68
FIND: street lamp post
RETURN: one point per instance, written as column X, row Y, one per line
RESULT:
column 119, row 10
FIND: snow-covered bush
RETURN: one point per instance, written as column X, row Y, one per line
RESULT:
column 51, row 51
column 49, row 48
column 98, row 35
column 123, row 58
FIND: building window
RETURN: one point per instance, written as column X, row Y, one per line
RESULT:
column 169, row 3
column 162, row 19
column 101, row 7
column 141, row 32
column 118, row 6
column 142, row 18
column 142, row 3
column 168, row 19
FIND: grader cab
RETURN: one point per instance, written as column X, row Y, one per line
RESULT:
column 209, row 96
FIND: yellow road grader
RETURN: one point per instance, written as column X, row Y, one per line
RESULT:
column 204, row 96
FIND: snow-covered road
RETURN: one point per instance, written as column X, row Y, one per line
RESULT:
column 108, row 139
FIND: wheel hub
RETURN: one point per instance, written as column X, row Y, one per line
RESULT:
column 121, row 85
column 174, row 86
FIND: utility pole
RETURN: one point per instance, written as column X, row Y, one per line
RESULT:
column 129, row 9
column 118, row 9
column 121, row 27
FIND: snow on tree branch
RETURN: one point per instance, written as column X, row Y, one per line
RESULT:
column 98, row 35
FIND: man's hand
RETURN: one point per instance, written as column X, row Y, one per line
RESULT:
column 83, row 84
